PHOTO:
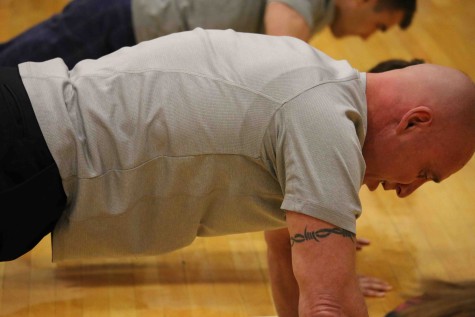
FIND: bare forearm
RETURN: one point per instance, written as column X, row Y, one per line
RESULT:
column 284, row 286
column 323, row 260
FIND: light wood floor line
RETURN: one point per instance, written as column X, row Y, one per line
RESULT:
column 429, row 234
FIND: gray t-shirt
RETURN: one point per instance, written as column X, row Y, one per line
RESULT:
column 155, row 18
column 199, row 133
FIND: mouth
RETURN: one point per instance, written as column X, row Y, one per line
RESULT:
column 396, row 187
column 372, row 186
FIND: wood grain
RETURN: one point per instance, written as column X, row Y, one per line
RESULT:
column 429, row 234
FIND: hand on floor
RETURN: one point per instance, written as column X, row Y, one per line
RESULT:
column 373, row 286
column 361, row 243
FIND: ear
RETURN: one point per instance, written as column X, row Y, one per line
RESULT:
column 419, row 117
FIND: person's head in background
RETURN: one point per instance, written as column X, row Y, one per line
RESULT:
column 392, row 64
column 440, row 299
column 364, row 17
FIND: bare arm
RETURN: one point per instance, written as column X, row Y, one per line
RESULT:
column 323, row 261
column 285, row 289
column 280, row 19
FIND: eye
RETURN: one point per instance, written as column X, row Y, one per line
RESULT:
column 383, row 28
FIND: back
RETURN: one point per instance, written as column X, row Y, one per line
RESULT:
column 190, row 134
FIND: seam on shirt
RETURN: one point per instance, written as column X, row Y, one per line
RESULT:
column 281, row 102
column 174, row 71
column 311, row 203
column 256, row 159
column 341, row 80
column 286, row 102
column 314, row 206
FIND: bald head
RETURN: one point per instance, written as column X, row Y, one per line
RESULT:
column 447, row 93
column 424, row 114
column 450, row 94
column 446, row 88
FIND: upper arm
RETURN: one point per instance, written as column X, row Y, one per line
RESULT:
column 323, row 260
column 280, row 19
column 318, row 160
column 278, row 244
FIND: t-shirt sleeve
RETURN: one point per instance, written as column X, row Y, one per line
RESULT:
column 318, row 158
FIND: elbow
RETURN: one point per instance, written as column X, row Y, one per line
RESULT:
column 321, row 306
column 326, row 305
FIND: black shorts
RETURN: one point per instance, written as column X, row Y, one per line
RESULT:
column 32, row 198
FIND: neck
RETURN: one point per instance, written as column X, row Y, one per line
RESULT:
column 382, row 109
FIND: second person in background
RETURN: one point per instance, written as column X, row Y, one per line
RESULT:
column 89, row 29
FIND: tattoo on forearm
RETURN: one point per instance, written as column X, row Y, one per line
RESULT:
column 318, row 234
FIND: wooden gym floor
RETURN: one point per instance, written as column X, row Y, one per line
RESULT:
column 429, row 234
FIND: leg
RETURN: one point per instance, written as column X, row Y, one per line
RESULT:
column 85, row 29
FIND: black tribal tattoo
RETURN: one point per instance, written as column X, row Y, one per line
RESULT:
column 318, row 234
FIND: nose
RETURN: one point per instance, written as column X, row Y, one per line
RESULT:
column 365, row 36
column 404, row 190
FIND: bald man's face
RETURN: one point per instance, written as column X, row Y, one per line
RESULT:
column 416, row 159
column 421, row 126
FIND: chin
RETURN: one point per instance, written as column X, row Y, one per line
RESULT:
column 337, row 33
column 372, row 189
column 372, row 185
